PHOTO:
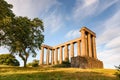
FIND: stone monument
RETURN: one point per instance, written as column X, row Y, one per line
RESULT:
column 86, row 52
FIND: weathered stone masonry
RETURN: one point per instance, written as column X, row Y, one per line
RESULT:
column 86, row 51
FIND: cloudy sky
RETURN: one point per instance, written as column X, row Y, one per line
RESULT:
column 64, row 18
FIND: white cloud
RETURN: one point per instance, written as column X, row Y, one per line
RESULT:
column 86, row 8
column 3, row 50
column 53, row 22
column 45, row 9
column 114, row 43
column 31, row 8
column 109, row 41
column 73, row 34
column 111, row 29
column 110, row 57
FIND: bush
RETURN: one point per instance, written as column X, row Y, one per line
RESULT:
column 34, row 63
column 65, row 64
column 8, row 59
column 118, row 71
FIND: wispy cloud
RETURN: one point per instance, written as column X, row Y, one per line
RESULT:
column 111, row 29
column 31, row 8
column 73, row 34
column 109, row 41
column 110, row 57
column 45, row 9
column 86, row 8
column 53, row 22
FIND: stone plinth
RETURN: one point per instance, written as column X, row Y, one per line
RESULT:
column 86, row 62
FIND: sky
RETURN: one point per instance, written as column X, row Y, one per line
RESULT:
column 64, row 18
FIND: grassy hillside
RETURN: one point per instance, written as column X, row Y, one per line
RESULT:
column 17, row 73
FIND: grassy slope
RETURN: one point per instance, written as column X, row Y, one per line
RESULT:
column 17, row 73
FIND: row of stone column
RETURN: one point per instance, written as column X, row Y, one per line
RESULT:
column 54, row 53
column 88, row 44
column 86, row 47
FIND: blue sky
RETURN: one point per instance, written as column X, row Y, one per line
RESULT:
column 64, row 18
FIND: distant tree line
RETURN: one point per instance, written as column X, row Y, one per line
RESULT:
column 8, row 59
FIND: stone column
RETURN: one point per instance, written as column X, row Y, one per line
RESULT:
column 66, row 56
column 72, row 50
column 52, row 59
column 78, row 48
column 61, row 55
column 86, row 44
column 89, row 45
column 56, row 56
column 42, row 56
column 47, row 56
column 94, row 47
column 83, row 51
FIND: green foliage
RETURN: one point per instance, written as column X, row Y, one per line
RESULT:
column 25, row 37
column 8, row 59
column 21, row 35
column 65, row 64
column 5, row 9
column 6, row 16
column 118, row 71
column 34, row 63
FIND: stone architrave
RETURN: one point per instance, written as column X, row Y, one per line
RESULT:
column 42, row 56
column 61, row 55
column 72, row 50
column 89, row 45
column 94, row 47
column 47, row 56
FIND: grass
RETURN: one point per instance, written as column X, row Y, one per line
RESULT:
column 19, row 73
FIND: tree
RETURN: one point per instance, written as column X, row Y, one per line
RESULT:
column 118, row 71
column 24, row 37
column 8, row 59
column 21, row 35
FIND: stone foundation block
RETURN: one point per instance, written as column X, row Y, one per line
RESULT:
column 86, row 62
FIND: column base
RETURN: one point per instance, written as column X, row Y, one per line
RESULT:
column 86, row 62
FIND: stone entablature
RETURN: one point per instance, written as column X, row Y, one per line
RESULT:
column 86, row 47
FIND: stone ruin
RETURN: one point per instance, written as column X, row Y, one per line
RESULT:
column 86, row 52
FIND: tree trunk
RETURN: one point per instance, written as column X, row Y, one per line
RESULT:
column 24, row 58
column 25, row 63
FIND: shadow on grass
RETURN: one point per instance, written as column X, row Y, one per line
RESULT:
column 58, row 75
